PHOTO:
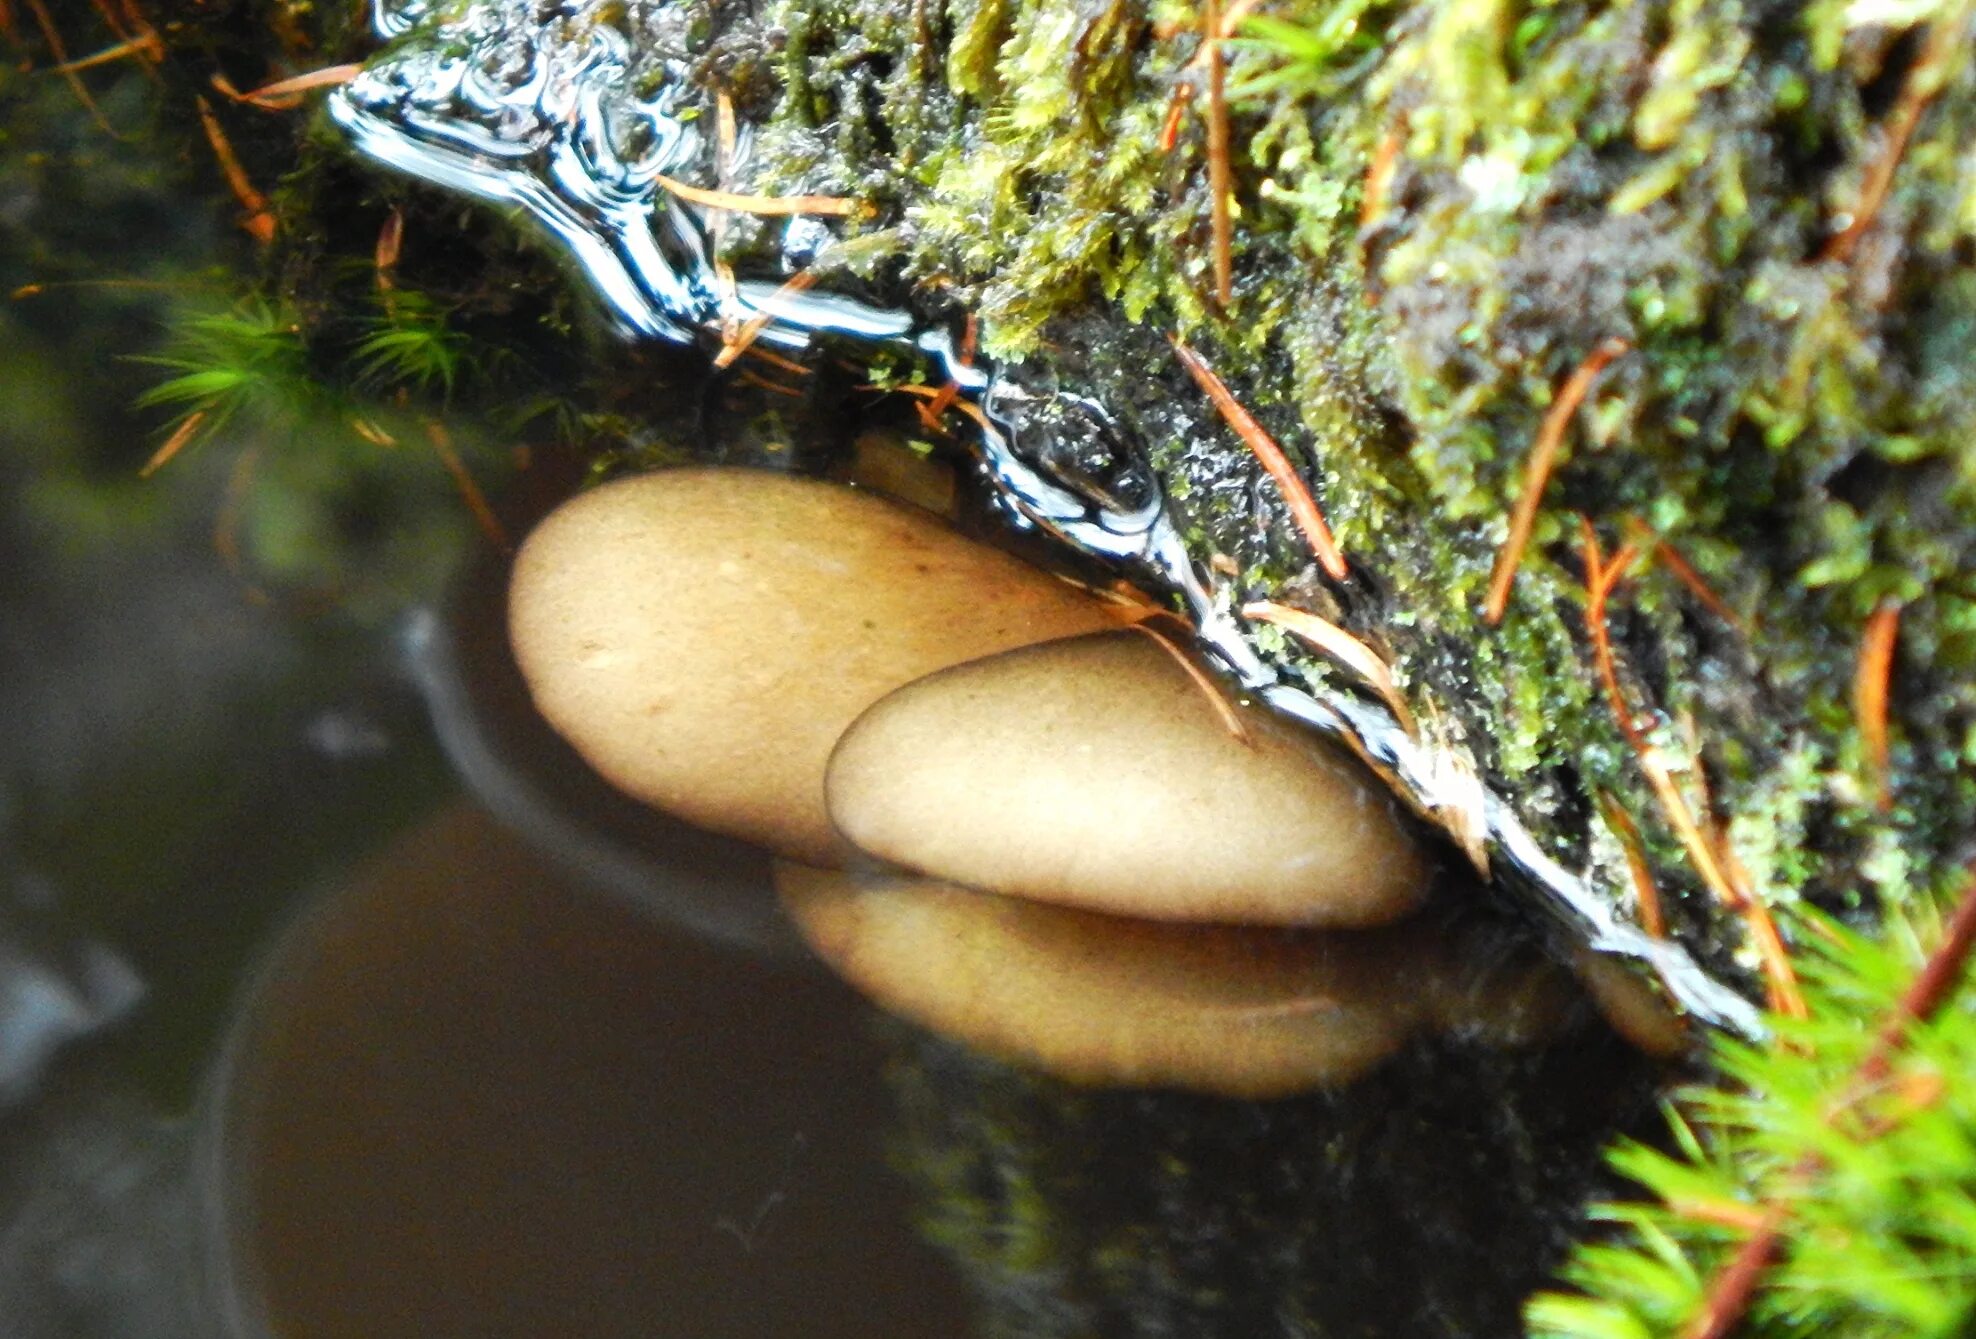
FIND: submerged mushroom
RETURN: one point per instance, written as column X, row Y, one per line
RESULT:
column 703, row 636
column 1242, row 1011
column 1097, row 773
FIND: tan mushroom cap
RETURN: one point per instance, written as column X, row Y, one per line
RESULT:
column 703, row 636
column 1096, row 773
column 1238, row 1011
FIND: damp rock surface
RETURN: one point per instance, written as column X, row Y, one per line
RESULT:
column 702, row 637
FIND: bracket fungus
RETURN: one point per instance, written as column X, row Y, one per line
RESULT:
column 1095, row 772
column 703, row 636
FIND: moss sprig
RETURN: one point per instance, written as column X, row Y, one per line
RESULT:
column 1825, row 1184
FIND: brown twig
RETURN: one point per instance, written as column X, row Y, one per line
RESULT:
column 1736, row 1283
column 1221, row 175
column 1870, row 683
column 1342, row 647
column 832, row 205
column 1303, row 507
column 1918, row 89
column 258, row 219
column 1543, row 456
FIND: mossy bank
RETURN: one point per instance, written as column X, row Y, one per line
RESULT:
column 1442, row 209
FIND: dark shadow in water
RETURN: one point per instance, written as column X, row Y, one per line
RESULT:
column 707, row 885
column 1426, row 1200
column 470, row 1099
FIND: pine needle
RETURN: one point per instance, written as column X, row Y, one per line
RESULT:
column 53, row 36
column 1231, row 720
column 752, row 329
column 1924, row 80
column 1342, row 647
column 1221, row 175
column 483, row 514
column 187, row 429
column 1645, row 891
column 830, row 205
column 1870, row 684
column 1303, row 507
column 1537, row 474
column 259, row 218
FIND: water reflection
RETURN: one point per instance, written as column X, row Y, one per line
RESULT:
column 468, row 1099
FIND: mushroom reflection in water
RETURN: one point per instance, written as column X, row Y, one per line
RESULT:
column 1241, row 1011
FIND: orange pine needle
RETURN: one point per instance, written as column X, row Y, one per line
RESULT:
column 390, row 243
column 832, row 205
column 930, row 413
column 111, row 19
column 754, row 378
column 1176, row 112
column 1670, row 557
column 1720, row 871
column 1736, row 1283
column 1342, row 647
column 1870, row 683
column 146, row 47
column 259, row 219
column 1221, row 176
column 1645, row 891
column 284, row 95
column 173, row 444
column 751, row 330
column 1303, row 507
column 483, row 515
column 1600, row 577
column 1379, row 175
column 1230, row 718
column 1918, row 89
column 1543, row 456
column 774, row 359
column 53, row 36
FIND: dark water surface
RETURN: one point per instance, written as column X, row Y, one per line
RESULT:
column 471, row 1099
